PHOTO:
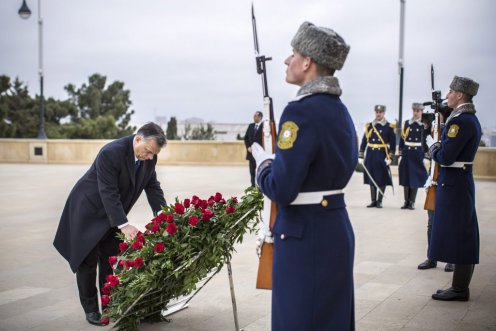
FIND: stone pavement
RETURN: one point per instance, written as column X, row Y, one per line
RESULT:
column 38, row 291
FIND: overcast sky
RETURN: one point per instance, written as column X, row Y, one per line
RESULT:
column 196, row 59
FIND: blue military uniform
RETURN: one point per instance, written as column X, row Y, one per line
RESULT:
column 455, row 232
column 378, row 144
column 412, row 172
column 313, row 237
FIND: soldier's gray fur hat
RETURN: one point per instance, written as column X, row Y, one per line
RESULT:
column 465, row 85
column 378, row 108
column 417, row 105
column 323, row 45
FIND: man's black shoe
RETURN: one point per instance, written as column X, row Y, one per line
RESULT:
column 372, row 204
column 96, row 319
column 427, row 264
column 379, row 204
column 449, row 267
column 411, row 206
column 452, row 294
column 405, row 205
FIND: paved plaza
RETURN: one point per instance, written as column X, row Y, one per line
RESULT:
column 38, row 290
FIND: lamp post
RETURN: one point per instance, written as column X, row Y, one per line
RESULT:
column 24, row 13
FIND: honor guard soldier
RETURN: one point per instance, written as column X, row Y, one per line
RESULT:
column 378, row 147
column 455, row 231
column 412, row 171
column 316, row 154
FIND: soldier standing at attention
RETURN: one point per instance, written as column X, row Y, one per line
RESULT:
column 316, row 154
column 380, row 141
column 411, row 170
column 455, row 230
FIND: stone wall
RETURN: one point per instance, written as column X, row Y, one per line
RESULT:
column 177, row 152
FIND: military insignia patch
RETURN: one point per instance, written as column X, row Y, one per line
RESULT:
column 288, row 134
column 453, row 130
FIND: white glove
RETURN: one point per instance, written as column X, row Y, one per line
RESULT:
column 360, row 160
column 428, row 182
column 427, row 163
column 429, row 141
column 388, row 161
column 399, row 159
column 259, row 154
column 264, row 235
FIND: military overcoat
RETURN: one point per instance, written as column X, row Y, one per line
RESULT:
column 411, row 169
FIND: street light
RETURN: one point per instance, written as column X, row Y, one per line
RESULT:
column 24, row 13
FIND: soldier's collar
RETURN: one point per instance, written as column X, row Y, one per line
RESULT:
column 381, row 122
column 461, row 109
column 413, row 120
column 322, row 84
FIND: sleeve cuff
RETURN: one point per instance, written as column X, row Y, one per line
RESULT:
column 122, row 225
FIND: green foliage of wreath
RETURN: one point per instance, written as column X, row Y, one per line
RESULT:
column 179, row 248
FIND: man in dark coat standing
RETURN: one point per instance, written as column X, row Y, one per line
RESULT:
column 316, row 154
column 97, row 206
column 455, row 230
column 254, row 134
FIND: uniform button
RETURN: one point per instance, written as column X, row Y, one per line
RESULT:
column 283, row 236
column 324, row 203
column 409, row 148
column 442, row 185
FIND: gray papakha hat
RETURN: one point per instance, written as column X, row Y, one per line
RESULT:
column 465, row 85
column 323, row 45
column 379, row 108
column 418, row 105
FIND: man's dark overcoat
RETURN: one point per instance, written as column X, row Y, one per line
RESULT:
column 103, row 197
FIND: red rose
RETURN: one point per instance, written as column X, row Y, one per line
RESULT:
column 234, row 200
column 159, row 248
column 203, row 204
column 123, row 246
column 186, row 203
column 138, row 262
column 104, row 321
column 178, row 208
column 230, row 209
column 193, row 220
column 171, row 228
column 211, row 201
column 161, row 217
column 217, row 197
column 207, row 215
column 155, row 228
column 169, row 218
column 112, row 280
column 195, row 200
column 222, row 201
column 105, row 300
column 129, row 263
column 122, row 264
column 137, row 245
column 112, row 260
column 106, row 289
column 140, row 237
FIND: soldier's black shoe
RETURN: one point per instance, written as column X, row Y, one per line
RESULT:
column 372, row 204
column 452, row 294
column 427, row 264
column 411, row 205
column 405, row 205
column 449, row 267
column 96, row 319
column 379, row 204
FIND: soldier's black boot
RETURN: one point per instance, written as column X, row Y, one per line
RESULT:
column 459, row 290
column 379, row 198
column 427, row 264
column 406, row 193
column 413, row 195
column 373, row 197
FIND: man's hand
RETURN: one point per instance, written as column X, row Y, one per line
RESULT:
column 388, row 161
column 129, row 231
column 429, row 141
column 360, row 160
column 249, row 149
column 259, row 154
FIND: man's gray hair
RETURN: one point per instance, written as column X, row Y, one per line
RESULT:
column 153, row 131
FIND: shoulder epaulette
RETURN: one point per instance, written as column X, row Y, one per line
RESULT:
column 392, row 125
column 367, row 125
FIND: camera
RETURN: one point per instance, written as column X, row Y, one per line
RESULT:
column 439, row 105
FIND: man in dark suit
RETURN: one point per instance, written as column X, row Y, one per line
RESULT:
column 97, row 206
column 254, row 134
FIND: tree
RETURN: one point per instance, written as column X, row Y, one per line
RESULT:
column 102, row 111
column 199, row 133
column 171, row 132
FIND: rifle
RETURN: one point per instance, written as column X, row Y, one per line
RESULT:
column 264, row 276
column 430, row 198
